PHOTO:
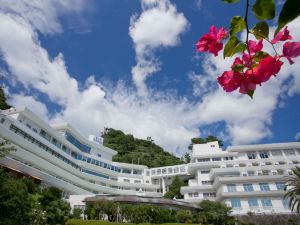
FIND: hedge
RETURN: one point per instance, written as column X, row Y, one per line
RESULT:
column 102, row 222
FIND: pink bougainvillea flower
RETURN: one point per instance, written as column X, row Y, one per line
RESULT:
column 230, row 80
column 248, row 83
column 212, row 42
column 291, row 50
column 282, row 36
column 267, row 67
column 255, row 47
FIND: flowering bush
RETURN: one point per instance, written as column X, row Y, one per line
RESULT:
column 253, row 66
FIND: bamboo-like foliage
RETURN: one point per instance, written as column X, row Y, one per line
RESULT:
column 293, row 190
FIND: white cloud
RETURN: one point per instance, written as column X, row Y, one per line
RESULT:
column 297, row 136
column 159, row 25
column 43, row 15
column 29, row 101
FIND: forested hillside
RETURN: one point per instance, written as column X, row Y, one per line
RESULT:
column 137, row 151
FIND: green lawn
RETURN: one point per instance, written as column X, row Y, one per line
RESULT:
column 100, row 222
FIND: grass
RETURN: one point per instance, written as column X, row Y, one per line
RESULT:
column 101, row 222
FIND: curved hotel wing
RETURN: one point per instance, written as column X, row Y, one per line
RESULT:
column 247, row 178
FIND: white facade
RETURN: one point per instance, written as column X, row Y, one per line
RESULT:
column 248, row 178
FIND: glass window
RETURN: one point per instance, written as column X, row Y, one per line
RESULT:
column 231, row 187
column 286, row 203
column 280, row 186
column 264, row 187
column 170, row 170
column 203, row 160
column 235, row 203
column 216, row 159
column 266, row 203
column 276, row 153
column 289, row 152
column 204, row 171
column 248, row 187
column 264, row 155
column 251, row 155
column 253, row 203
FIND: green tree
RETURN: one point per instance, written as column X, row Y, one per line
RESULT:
column 209, row 138
column 184, row 216
column 139, row 151
column 15, row 201
column 76, row 213
column 5, row 147
column 293, row 190
column 214, row 213
column 174, row 189
column 3, row 99
column 187, row 157
column 57, row 210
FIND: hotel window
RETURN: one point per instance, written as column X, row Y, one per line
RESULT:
column 204, row 171
column 286, row 203
column 248, row 187
column 253, row 203
column 231, row 187
column 228, row 158
column 152, row 172
column 289, row 152
column 176, row 169
column 164, row 171
column 170, row 170
column 137, row 181
column 216, row 159
column 264, row 187
column 147, row 173
column 276, row 152
column 264, row 155
column 209, row 195
column 266, row 203
column 204, row 160
column 45, row 135
column 206, row 182
column 251, row 155
column 191, row 195
column 251, row 173
column 158, row 171
column 280, row 186
column 235, row 203
column 182, row 169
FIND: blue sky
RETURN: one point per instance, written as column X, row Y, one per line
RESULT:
column 132, row 65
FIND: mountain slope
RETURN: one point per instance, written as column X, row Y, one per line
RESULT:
column 137, row 151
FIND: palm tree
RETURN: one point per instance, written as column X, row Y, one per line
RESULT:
column 293, row 190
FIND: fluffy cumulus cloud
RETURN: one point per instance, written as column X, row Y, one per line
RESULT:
column 170, row 121
column 159, row 25
column 43, row 15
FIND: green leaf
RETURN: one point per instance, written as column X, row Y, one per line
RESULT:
column 264, row 9
column 250, row 93
column 230, row 46
column 261, row 30
column 241, row 47
column 237, row 24
column 289, row 12
column 238, row 68
column 260, row 55
column 230, row 1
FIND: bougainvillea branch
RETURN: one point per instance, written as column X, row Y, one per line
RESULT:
column 252, row 66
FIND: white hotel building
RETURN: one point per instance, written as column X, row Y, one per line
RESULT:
column 247, row 178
